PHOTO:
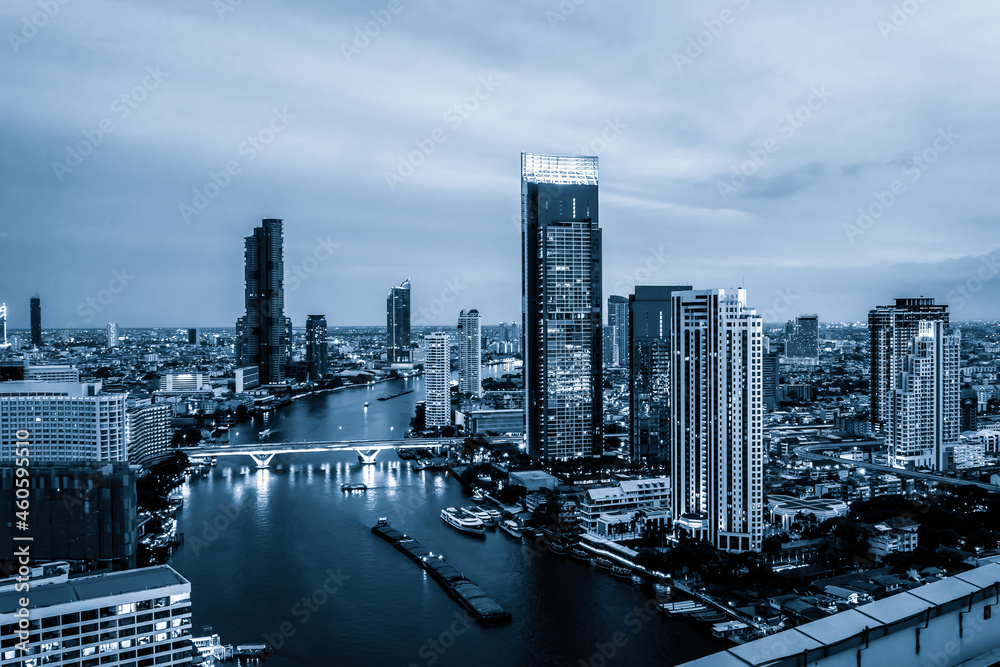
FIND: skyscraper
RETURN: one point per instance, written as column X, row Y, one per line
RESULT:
column 924, row 405
column 316, row 351
column 890, row 332
column 192, row 336
column 264, row 327
column 36, row 321
column 3, row 322
column 561, row 306
column 649, row 370
column 437, row 380
column 397, row 324
column 470, row 353
column 618, row 321
column 112, row 334
column 717, row 461
column 805, row 339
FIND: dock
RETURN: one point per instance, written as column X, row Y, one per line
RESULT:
column 483, row 608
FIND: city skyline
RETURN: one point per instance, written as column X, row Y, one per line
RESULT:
column 677, row 118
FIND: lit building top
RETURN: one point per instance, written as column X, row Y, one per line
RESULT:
column 558, row 169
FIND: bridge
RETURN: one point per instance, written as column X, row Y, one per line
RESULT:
column 263, row 452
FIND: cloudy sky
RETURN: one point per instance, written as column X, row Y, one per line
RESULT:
column 740, row 143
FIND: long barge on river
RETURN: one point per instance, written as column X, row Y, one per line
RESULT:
column 482, row 607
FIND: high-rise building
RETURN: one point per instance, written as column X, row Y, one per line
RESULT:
column 437, row 380
column 192, row 336
column 63, row 421
column 970, row 410
column 263, row 328
column 649, row 370
column 139, row 617
column 618, row 322
column 83, row 512
column 890, row 332
column 316, row 346
column 149, row 433
column 112, row 334
column 924, row 405
column 3, row 322
column 397, row 324
column 36, row 321
column 470, row 354
column 561, row 306
column 770, row 378
column 804, row 341
column 717, row 462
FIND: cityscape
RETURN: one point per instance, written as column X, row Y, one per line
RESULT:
column 715, row 389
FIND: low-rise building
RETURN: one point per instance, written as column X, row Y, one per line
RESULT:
column 632, row 494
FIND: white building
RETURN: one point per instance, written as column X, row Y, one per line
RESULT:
column 437, row 379
column 924, row 419
column 717, row 461
column 54, row 373
column 149, row 433
column 62, row 421
column 470, row 354
column 134, row 617
column 112, row 334
column 628, row 495
column 184, row 383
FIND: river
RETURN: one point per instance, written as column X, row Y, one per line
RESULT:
column 284, row 556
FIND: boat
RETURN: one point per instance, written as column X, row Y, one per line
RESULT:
column 478, row 496
column 252, row 651
column 710, row 616
column 462, row 521
column 730, row 630
column 495, row 515
column 353, row 487
column 366, row 404
column 579, row 553
column 622, row 571
column 603, row 563
column 263, row 434
column 510, row 527
column 682, row 608
column 480, row 514
column 558, row 548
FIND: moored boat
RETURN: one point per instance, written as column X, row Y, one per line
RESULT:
column 603, row 563
column 463, row 521
column 480, row 514
column 579, row 553
column 621, row 571
column 558, row 548
column 511, row 527
column 478, row 496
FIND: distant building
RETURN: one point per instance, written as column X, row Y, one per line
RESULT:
column 562, row 295
column 470, row 354
column 478, row 422
column 397, row 324
column 54, row 373
column 897, row 535
column 649, row 370
column 969, row 410
column 316, row 347
column 618, row 322
column 112, row 334
column 139, row 617
column 62, row 421
column 771, row 377
column 184, row 383
column 192, row 336
column 36, row 321
column 246, row 378
column 437, row 380
column 83, row 512
column 149, row 433
column 804, row 342
column 262, row 332
column 717, row 461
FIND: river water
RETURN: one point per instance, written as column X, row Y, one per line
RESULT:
column 284, row 556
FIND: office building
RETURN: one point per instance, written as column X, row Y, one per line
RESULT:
column 561, row 306
column 192, row 336
column 618, row 322
column 804, row 342
column 112, row 334
column 149, row 433
column 82, row 512
column 316, row 347
column 36, row 321
column 924, row 417
column 263, row 330
column 891, row 329
column 3, row 323
column 53, row 373
column 470, row 354
column 246, row 378
column 437, row 380
column 64, row 421
column 397, row 324
column 969, row 410
column 717, row 418
column 135, row 618
column 184, row 383
column 771, row 369
column 649, row 370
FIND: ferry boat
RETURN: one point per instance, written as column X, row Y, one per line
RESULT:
column 579, row 553
column 495, row 515
column 510, row 527
column 480, row 514
column 462, row 521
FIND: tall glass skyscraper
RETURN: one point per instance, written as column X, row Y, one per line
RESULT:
column 316, row 349
column 263, row 331
column 618, row 322
column 561, row 306
column 36, row 321
column 397, row 324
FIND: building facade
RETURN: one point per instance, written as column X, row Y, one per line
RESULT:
column 618, row 322
column 717, row 418
column 149, row 433
column 397, row 325
column 804, row 342
column 53, row 373
column 437, row 380
column 470, row 353
column 561, row 306
column 263, row 330
column 112, row 334
column 36, row 321
column 316, row 346
column 649, row 370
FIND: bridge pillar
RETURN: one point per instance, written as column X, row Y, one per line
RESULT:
column 263, row 460
column 367, row 456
